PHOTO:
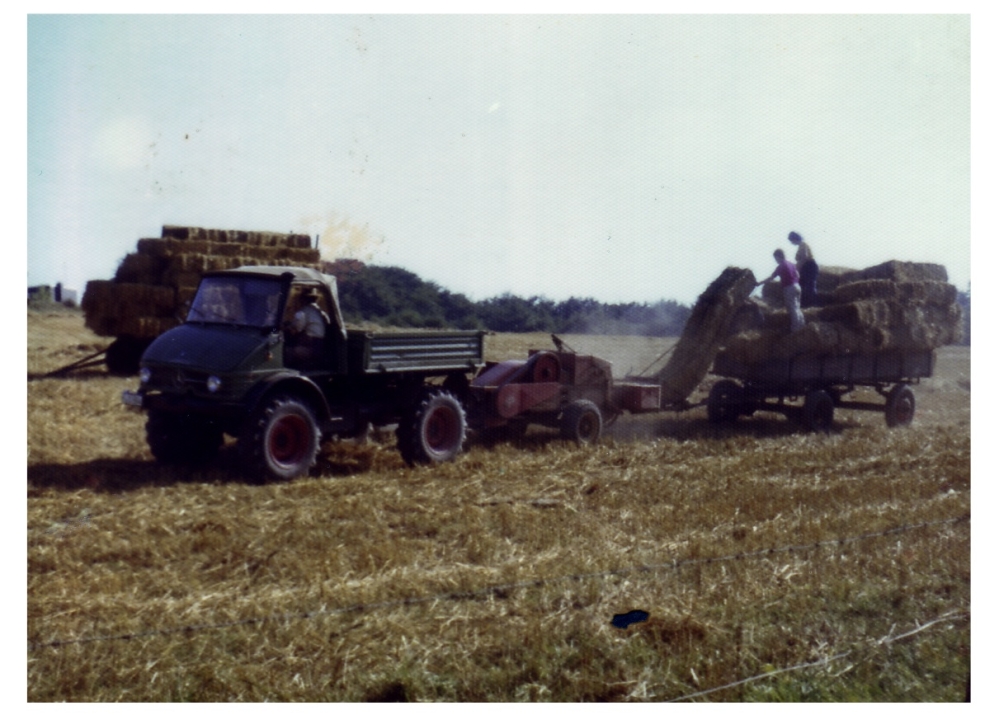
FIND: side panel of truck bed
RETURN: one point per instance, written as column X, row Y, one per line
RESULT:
column 423, row 351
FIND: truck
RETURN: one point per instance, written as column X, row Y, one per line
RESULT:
column 227, row 370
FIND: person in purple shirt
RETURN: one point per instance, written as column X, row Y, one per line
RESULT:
column 789, row 277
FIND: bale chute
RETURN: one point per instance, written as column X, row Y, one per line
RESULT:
column 704, row 333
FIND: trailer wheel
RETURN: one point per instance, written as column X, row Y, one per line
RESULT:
column 123, row 355
column 900, row 407
column 434, row 431
column 176, row 438
column 281, row 439
column 725, row 402
column 817, row 412
column 581, row 422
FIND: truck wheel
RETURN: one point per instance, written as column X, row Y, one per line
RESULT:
column 434, row 431
column 725, row 402
column 176, row 438
column 281, row 440
column 900, row 407
column 817, row 412
column 581, row 422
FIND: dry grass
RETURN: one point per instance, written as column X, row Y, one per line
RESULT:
column 119, row 545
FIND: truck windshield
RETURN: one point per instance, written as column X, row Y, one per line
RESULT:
column 236, row 300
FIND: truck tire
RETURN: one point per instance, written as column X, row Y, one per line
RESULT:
column 281, row 439
column 434, row 429
column 581, row 422
column 900, row 407
column 725, row 402
column 177, row 438
column 817, row 411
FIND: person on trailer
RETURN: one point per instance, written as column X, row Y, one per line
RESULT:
column 307, row 331
column 807, row 268
column 789, row 277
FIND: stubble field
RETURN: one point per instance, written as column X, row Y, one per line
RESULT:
column 774, row 565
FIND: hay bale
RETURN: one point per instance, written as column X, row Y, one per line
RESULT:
column 705, row 331
column 936, row 292
column 140, row 268
column 830, row 277
column 899, row 271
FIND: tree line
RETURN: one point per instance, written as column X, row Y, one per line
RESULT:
column 392, row 296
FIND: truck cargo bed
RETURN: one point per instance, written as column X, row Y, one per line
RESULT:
column 416, row 351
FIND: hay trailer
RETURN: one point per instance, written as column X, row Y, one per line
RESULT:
column 812, row 387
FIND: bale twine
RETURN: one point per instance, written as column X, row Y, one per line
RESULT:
column 704, row 333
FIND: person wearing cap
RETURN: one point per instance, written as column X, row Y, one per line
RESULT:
column 808, row 270
column 789, row 276
column 307, row 330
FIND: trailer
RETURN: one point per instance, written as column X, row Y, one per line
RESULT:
column 812, row 387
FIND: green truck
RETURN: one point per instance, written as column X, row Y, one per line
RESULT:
column 229, row 369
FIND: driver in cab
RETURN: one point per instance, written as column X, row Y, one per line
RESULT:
column 307, row 330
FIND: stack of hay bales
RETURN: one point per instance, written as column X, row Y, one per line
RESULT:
column 705, row 331
column 153, row 287
column 895, row 306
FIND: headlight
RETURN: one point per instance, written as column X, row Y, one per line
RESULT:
column 144, row 375
column 213, row 383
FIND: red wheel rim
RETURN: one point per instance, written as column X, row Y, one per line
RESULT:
column 288, row 439
column 441, row 429
column 587, row 427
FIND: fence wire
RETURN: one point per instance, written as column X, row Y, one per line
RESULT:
column 886, row 640
column 501, row 590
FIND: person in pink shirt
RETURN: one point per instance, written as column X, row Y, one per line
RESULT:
column 789, row 277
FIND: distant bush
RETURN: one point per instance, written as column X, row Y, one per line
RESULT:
column 397, row 297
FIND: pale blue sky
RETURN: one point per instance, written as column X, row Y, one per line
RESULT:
column 619, row 157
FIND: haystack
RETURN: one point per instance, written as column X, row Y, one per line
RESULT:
column 153, row 287
column 893, row 306
column 705, row 331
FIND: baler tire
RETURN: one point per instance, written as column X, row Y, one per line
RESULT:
column 581, row 422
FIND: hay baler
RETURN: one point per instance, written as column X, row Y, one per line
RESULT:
column 562, row 389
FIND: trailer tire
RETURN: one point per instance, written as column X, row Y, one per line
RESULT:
column 123, row 355
column 725, row 402
column 581, row 422
column 280, row 440
column 434, row 431
column 177, row 438
column 817, row 412
column 900, row 407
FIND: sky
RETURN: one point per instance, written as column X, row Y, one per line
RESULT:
column 625, row 158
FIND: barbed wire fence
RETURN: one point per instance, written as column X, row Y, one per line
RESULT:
column 504, row 589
